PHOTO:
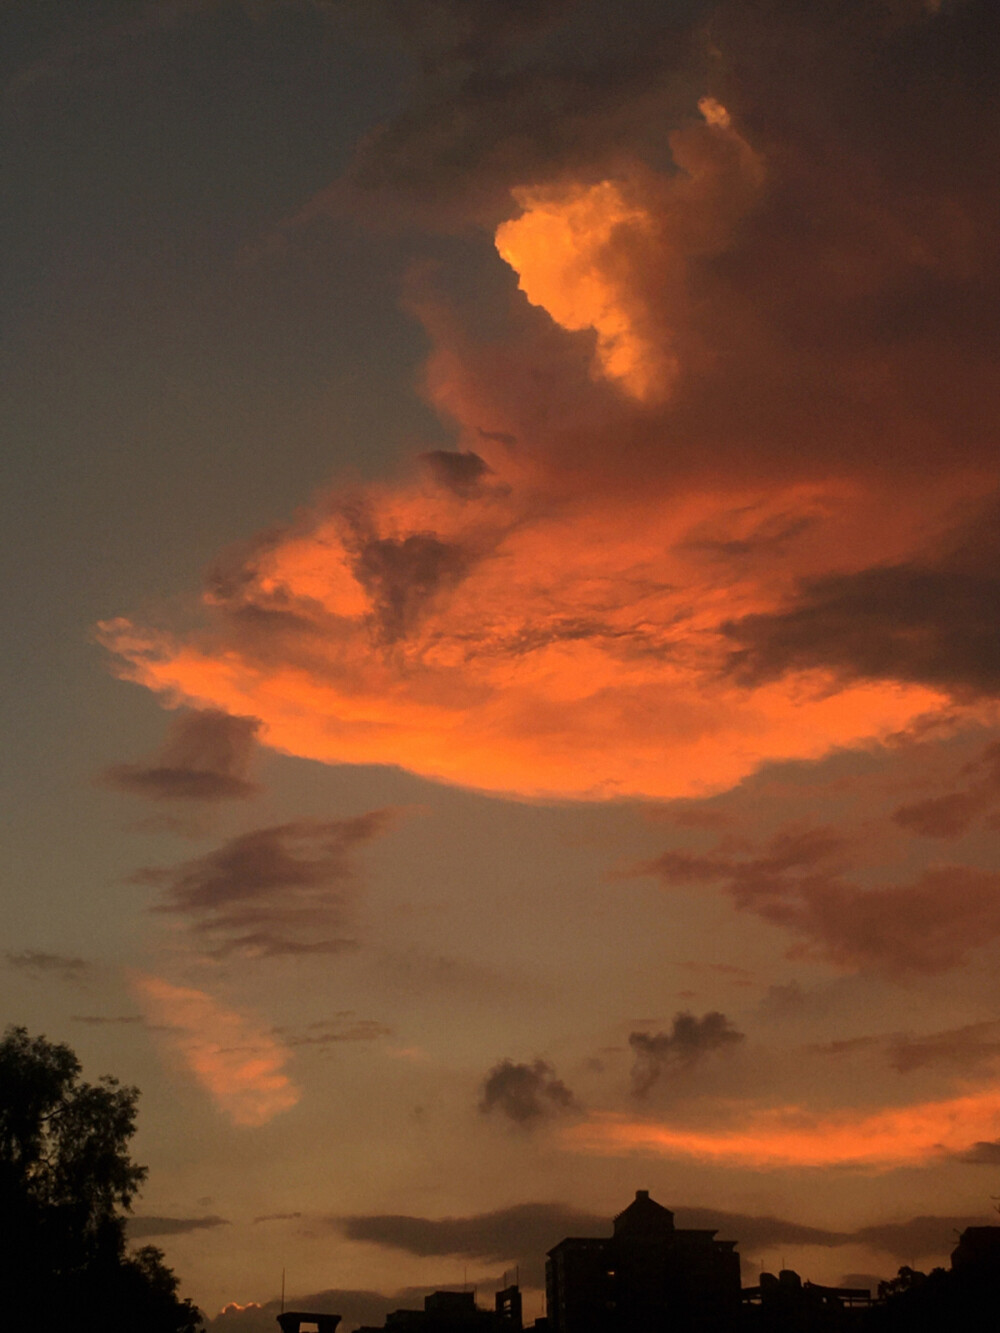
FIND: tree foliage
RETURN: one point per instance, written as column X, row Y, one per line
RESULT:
column 66, row 1182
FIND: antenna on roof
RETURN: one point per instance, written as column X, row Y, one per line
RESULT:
column 282, row 1291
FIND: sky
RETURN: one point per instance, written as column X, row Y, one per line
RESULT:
column 502, row 520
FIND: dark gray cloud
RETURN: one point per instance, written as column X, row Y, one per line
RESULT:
column 525, row 1093
column 460, row 471
column 402, row 574
column 844, row 1046
column 523, row 1233
column 112, row 1020
column 796, row 881
column 325, row 1032
column 273, row 891
column 508, row 92
column 757, row 1233
column 983, row 1153
column 935, row 622
column 689, row 1040
column 967, row 1048
column 918, row 1237
column 277, row 1217
column 141, row 1227
column 206, row 756
column 39, row 965
column 951, row 814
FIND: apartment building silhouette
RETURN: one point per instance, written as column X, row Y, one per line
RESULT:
column 648, row 1276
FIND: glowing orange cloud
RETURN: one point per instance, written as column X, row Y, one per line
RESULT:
column 560, row 249
column 582, row 252
column 238, row 1064
column 795, row 1136
column 579, row 654
column 549, row 612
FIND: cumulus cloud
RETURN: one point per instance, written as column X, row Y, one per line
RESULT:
column 230, row 1054
column 928, row 925
column 525, row 1093
column 722, row 465
column 689, row 1040
column 270, row 891
column 205, row 757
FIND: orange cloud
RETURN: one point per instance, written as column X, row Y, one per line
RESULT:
column 578, row 653
column 239, row 1065
column 586, row 253
column 796, row 1136
column 695, row 519
column 561, row 250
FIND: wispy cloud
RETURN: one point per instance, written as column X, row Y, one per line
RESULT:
column 140, row 1227
column 280, row 890
column 206, row 757
column 797, row 880
column 60, row 967
column 799, row 1136
column 238, row 1062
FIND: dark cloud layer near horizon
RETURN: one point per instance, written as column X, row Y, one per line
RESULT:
column 524, row 1233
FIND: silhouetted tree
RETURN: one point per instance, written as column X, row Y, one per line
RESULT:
column 942, row 1301
column 66, row 1182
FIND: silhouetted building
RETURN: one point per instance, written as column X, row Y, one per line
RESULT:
column 978, row 1250
column 508, row 1309
column 649, row 1276
column 786, row 1304
column 291, row 1321
column 452, row 1312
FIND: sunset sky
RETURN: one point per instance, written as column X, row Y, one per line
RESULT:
column 503, row 548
